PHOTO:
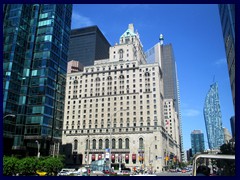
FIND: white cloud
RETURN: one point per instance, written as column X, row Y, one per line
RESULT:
column 79, row 21
column 190, row 112
column 220, row 61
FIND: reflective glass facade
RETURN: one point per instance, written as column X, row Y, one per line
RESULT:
column 213, row 118
column 197, row 142
column 227, row 17
column 36, row 40
column 165, row 56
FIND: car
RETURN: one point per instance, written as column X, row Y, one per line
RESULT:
column 178, row 170
column 109, row 172
column 184, row 170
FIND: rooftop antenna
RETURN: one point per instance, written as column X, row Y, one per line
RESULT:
column 213, row 78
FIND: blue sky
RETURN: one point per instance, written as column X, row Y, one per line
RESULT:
column 196, row 35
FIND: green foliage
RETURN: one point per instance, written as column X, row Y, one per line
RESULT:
column 29, row 165
column 10, row 165
column 227, row 165
column 228, row 148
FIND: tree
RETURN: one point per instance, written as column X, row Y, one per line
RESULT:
column 10, row 165
column 228, row 148
column 51, row 165
column 27, row 166
column 227, row 165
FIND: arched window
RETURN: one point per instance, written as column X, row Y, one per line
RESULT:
column 147, row 74
column 106, row 143
column 120, row 54
column 121, row 77
column 75, row 82
column 94, row 144
column 75, row 144
column 120, row 143
column 127, row 143
column 113, row 144
column 109, row 78
column 87, row 146
column 140, row 143
column 97, row 79
column 100, row 144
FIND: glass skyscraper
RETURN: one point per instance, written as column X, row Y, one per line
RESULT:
column 227, row 18
column 36, row 40
column 197, row 142
column 213, row 118
column 164, row 54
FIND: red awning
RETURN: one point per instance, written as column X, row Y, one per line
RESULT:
column 113, row 156
column 127, row 157
column 99, row 156
column 133, row 156
column 93, row 157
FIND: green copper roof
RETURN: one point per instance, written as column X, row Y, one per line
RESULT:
column 128, row 33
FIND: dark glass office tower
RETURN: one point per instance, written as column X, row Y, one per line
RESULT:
column 88, row 44
column 36, row 40
column 227, row 17
column 164, row 55
column 213, row 118
column 197, row 142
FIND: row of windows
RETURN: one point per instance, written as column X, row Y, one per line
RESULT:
column 109, row 85
column 101, row 143
column 108, row 99
column 115, row 68
column 109, row 78
column 114, row 125
column 114, row 92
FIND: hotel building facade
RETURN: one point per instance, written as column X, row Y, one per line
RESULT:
column 117, row 104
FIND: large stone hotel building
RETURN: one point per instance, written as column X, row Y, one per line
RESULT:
column 118, row 103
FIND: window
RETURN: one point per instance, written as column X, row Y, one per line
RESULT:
column 100, row 144
column 87, row 144
column 106, row 143
column 120, row 143
column 75, row 144
column 120, row 54
column 113, row 144
column 140, row 143
column 94, row 144
column 127, row 143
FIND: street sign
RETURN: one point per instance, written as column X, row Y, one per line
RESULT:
column 107, row 150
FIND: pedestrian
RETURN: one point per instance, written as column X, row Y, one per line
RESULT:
column 203, row 171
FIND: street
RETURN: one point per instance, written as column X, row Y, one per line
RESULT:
column 173, row 174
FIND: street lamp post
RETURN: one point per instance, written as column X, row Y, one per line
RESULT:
column 38, row 146
column 110, row 142
column 150, row 154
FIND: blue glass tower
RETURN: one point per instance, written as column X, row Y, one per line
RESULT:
column 213, row 118
column 197, row 142
column 36, row 40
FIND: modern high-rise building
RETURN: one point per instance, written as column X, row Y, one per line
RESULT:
column 87, row 45
column 36, row 38
column 197, row 142
column 163, row 54
column 189, row 155
column 213, row 118
column 227, row 18
column 117, row 104
column 232, row 123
